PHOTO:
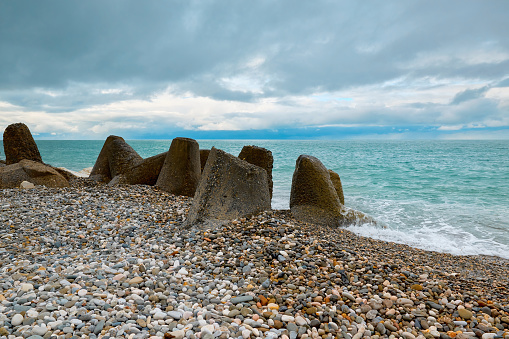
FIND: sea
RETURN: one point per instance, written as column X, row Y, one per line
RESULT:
column 445, row 196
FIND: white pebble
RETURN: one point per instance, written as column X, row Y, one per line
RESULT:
column 208, row 328
column 27, row 287
column 17, row 320
column 300, row 320
column 179, row 334
column 31, row 313
column 287, row 318
column 160, row 316
column 39, row 330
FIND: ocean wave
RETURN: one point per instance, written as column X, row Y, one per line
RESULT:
column 439, row 239
column 446, row 228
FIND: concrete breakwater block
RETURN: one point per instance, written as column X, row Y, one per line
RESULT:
column 314, row 198
column 181, row 170
column 230, row 188
column 260, row 157
column 19, row 144
column 116, row 157
column 12, row 176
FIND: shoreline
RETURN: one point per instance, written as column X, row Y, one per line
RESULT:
column 119, row 244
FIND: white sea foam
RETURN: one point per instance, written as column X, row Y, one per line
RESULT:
column 84, row 173
column 280, row 202
column 445, row 239
column 421, row 225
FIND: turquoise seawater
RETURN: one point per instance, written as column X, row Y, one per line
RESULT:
column 447, row 196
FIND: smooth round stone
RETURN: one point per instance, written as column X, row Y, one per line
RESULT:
column 119, row 277
column 99, row 327
column 315, row 323
column 27, row 287
column 159, row 316
column 311, row 310
column 233, row 313
column 405, row 301
column 407, row 335
column 417, row 287
column 464, row 313
column 391, row 311
column 179, row 334
column 371, row 314
column 16, row 320
column 287, row 318
column 435, row 333
column 390, row 326
column 207, row 328
column 31, row 313
column 300, row 320
column 136, row 280
column 245, row 311
column 241, row 299
column 291, row 327
column 39, row 330
column 174, row 314
column 348, row 296
column 273, row 306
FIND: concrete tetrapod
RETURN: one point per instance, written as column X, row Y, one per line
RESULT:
column 115, row 158
column 145, row 172
column 19, row 144
column 181, row 170
column 314, row 199
column 336, row 182
column 12, row 176
column 260, row 157
column 230, row 188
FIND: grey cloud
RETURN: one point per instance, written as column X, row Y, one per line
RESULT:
column 74, row 47
column 469, row 94
column 503, row 83
column 315, row 43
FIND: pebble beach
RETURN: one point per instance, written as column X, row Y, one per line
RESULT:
column 93, row 261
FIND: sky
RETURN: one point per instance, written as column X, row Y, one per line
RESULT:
column 400, row 69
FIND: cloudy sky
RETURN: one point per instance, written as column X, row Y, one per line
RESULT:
column 257, row 69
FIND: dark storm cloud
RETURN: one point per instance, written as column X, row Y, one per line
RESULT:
column 65, row 55
column 315, row 44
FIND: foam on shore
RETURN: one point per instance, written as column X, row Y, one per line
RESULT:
column 84, row 173
column 455, row 242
